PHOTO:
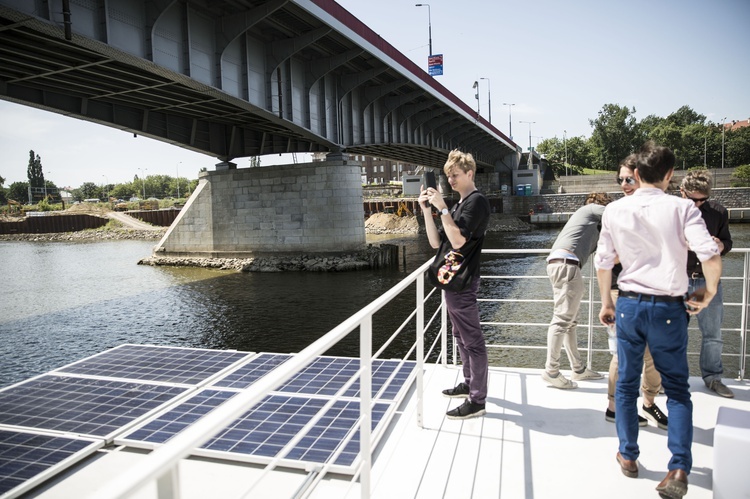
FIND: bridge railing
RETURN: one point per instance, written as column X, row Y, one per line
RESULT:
column 519, row 291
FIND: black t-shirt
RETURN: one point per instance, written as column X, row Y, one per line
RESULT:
column 472, row 216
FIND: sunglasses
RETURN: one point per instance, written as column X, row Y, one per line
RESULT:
column 696, row 200
column 627, row 180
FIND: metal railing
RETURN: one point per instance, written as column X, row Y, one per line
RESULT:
column 427, row 319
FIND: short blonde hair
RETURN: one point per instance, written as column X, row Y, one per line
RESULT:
column 697, row 181
column 461, row 160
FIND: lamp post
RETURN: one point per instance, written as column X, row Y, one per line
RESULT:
column 106, row 193
column 510, row 126
column 489, row 99
column 476, row 96
column 44, row 184
column 722, row 140
column 565, row 145
column 177, row 167
column 143, row 181
column 529, row 123
column 429, row 22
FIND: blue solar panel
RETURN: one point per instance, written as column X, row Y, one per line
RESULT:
column 249, row 373
column 24, row 457
column 324, row 376
column 80, row 405
column 264, row 430
column 151, row 363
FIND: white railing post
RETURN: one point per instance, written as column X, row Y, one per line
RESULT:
column 590, row 344
column 168, row 485
column 420, row 352
column 365, row 405
column 743, row 315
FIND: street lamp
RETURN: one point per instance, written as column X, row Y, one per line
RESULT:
column 178, row 178
column 565, row 145
column 429, row 22
column 106, row 184
column 476, row 96
column 44, row 184
column 722, row 140
column 143, row 180
column 489, row 99
column 510, row 126
column 529, row 123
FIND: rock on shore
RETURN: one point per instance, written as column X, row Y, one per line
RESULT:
column 387, row 223
column 108, row 234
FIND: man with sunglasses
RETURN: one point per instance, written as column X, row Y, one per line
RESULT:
column 696, row 186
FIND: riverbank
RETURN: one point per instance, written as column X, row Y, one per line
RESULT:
column 373, row 257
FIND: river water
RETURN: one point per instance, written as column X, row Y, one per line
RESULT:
column 65, row 301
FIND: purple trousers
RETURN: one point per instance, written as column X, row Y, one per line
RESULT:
column 463, row 312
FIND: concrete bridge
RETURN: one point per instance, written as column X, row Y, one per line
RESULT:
column 242, row 78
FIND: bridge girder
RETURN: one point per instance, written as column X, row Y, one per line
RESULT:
column 236, row 78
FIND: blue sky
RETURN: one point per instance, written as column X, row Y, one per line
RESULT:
column 558, row 62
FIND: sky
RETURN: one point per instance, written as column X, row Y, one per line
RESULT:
column 558, row 62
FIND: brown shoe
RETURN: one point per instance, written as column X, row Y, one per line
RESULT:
column 674, row 485
column 629, row 468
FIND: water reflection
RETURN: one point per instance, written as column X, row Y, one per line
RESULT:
column 65, row 301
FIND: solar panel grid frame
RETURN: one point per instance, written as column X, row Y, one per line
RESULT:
column 176, row 365
column 83, row 406
column 27, row 459
column 261, row 433
column 323, row 376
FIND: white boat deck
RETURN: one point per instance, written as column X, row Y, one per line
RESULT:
column 535, row 442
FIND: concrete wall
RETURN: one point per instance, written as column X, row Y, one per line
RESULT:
column 738, row 197
column 300, row 208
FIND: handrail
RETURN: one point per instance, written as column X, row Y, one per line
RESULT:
column 161, row 464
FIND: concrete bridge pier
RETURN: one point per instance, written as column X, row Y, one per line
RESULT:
column 310, row 208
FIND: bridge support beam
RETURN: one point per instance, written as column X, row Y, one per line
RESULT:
column 311, row 208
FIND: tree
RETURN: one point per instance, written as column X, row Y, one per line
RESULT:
column 89, row 190
column 737, row 147
column 686, row 116
column 741, row 176
column 19, row 191
column 34, row 171
column 614, row 137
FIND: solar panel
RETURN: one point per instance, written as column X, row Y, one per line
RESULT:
column 324, row 376
column 264, row 430
column 81, row 405
column 26, row 459
column 152, row 363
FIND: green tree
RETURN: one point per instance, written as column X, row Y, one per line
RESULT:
column 741, row 176
column 89, row 190
column 19, row 191
column 3, row 192
column 34, row 170
column 614, row 136
column 737, row 147
column 685, row 116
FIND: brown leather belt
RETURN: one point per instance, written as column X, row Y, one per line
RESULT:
column 565, row 260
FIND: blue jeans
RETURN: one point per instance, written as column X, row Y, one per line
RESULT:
column 463, row 311
column 663, row 327
column 709, row 322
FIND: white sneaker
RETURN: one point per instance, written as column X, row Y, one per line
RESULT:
column 559, row 382
column 586, row 374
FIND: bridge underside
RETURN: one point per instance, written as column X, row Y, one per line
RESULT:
column 237, row 78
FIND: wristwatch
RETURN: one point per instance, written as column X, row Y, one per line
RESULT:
column 444, row 211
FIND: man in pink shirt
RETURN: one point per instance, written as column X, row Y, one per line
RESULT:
column 650, row 232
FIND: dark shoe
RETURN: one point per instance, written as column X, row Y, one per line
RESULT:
column 629, row 468
column 674, row 485
column 610, row 416
column 654, row 414
column 466, row 410
column 720, row 389
column 461, row 391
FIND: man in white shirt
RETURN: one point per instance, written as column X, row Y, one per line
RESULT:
column 650, row 232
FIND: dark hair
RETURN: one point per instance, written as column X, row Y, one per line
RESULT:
column 629, row 162
column 654, row 162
